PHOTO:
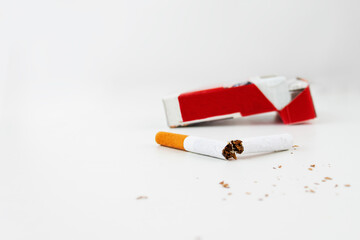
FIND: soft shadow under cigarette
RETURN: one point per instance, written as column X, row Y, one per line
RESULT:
column 256, row 155
column 250, row 156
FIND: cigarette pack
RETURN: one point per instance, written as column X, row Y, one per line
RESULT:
column 290, row 97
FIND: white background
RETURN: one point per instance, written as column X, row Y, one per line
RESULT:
column 80, row 103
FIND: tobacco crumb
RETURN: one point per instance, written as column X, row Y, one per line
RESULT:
column 274, row 185
column 266, row 195
column 222, row 182
column 312, row 165
column 294, row 146
column 237, row 146
column 228, row 152
column 274, row 167
column 279, row 166
column 312, row 191
column 233, row 147
column 229, row 193
column 347, row 185
column 141, row 197
column 310, row 169
column 248, row 193
column 260, row 199
column 305, row 186
column 291, row 153
column 336, row 185
column 328, row 178
column 323, row 180
column 224, row 199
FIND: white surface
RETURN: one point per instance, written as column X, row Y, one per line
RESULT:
column 206, row 146
column 81, row 84
column 73, row 168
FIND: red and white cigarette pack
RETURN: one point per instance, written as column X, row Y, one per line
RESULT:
column 291, row 98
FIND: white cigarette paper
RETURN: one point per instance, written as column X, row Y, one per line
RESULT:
column 205, row 146
column 216, row 148
column 223, row 149
column 267, row 143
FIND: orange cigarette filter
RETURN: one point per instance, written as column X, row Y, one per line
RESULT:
column 173, row 140
column 205, row 146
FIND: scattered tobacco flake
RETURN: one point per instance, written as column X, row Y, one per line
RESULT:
column 336, row 185
column 312, row 191
column 274, row 167
column 305, row 186
column 225, row 185
column 248, row 193
column 224, row 199
column 323, row 180
column 347, row 185
column 294, row 146
column 141, row 197
column 279, row 166
column 229, row 193
column 310, row 169
column 328, row 178
column 312, row 165
column 291, row 153
column 274, row 185
column 266, row 195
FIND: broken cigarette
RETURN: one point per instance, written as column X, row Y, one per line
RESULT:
column 225, row 149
